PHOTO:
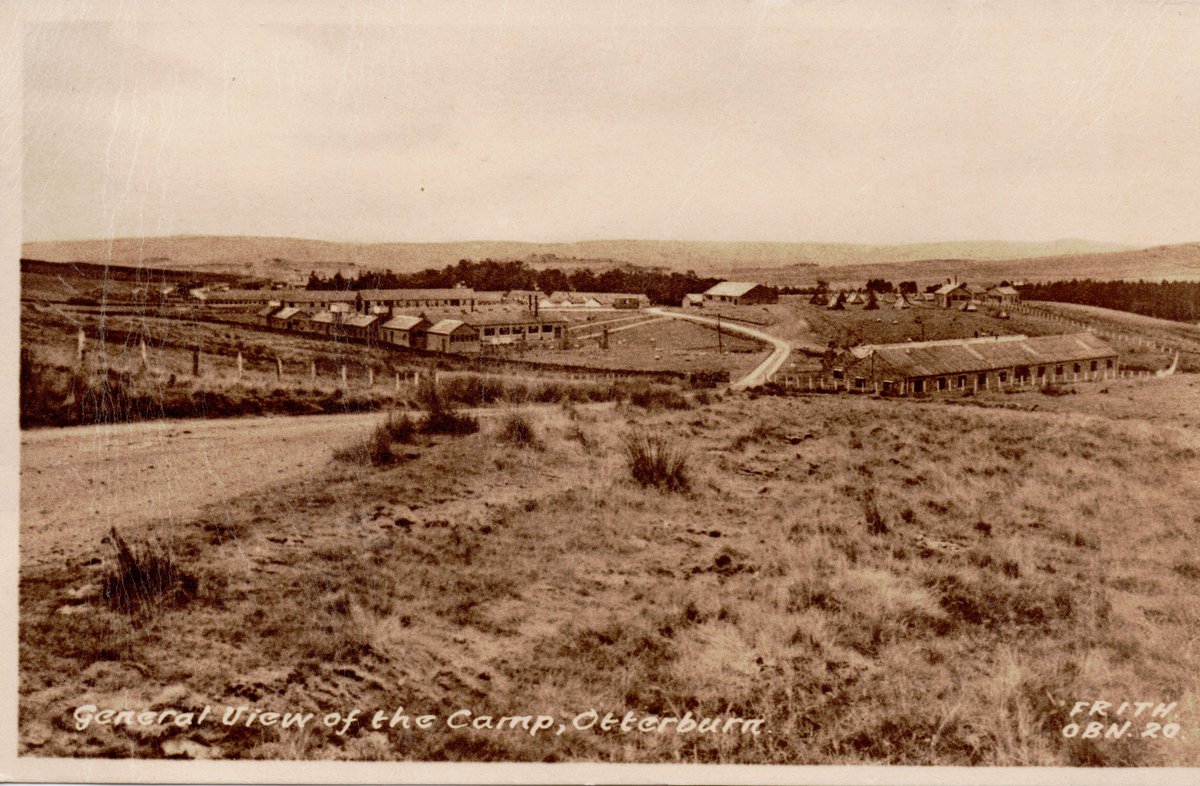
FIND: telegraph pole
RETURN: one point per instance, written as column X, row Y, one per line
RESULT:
column 720, row 347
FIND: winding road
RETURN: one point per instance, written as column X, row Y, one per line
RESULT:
column 779, row 355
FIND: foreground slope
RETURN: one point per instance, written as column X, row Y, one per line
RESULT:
column 882, row 582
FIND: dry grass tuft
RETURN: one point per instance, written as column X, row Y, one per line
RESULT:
column 144, row 579
column 376, row 449
column 657, row 397
column 654, row 461
column 442, row 418
column 517, row 429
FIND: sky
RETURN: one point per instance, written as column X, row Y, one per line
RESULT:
column 861, row 122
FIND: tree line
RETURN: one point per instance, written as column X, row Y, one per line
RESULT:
column 1177, row 300
column 505, row 276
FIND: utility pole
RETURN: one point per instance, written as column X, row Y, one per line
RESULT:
column 720, row 346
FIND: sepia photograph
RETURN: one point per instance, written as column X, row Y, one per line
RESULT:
column 669, row 392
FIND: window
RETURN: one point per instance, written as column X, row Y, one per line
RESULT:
column 1041, row 371
column 1078, row 368
column 505, row 331
column 962, row 382
column 918, row 386
column 982, row 379
column 1108, row 363
column 489, row 331
column 1095, row 365
column 1003, row 376
column 1058, row 371
column 941, row 383
column 837, row 373
column 547, row 328
column 860, row 383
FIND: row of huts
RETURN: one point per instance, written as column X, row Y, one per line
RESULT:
column 464, row 332
column 964, row 297
column 972, row 363
column 955, row 294
column 380, row 301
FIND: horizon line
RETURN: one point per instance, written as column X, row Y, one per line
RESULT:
column 1128, row 245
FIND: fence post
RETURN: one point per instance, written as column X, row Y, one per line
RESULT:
column 278, row 368
column 397, row 381
column 240, row 363
column 81, row 346
column 343, row 375
column 312, row 370
column 370, row 376
column 145, row 356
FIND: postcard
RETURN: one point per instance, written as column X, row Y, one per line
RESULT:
column 740, row 392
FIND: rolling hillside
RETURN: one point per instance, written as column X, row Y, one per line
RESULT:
column 279, row 257
column 1174, row 262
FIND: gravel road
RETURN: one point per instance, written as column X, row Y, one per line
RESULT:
column 77, row 482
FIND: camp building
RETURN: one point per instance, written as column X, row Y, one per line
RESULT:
column 452, row 335
column 363, row 301
column 973, row 363
column 511, row 326
column 405, row 330
column 740, row 293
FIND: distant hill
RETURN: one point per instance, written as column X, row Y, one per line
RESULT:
column 283, row 257
column 1175, row 262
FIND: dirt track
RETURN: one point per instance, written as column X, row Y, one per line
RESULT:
column 781, row 349
column 77, row 482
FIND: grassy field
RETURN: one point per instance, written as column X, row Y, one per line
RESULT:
column 662, row 344
column 880, row 581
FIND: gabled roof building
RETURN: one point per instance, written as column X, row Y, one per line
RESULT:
column 740, row 293
column 973, row 363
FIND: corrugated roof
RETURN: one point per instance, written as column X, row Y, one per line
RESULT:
column 323, row 316
column 731, row 288
column 1003, row 291
column 497, row 317
column 958, row 356
column 402, row 322
column 511, row 318
column 446, row 326
column 361, row 320
column 340, row 296
column 604, row 298
column 946, row 289
column 286, row 313
column 418, row 294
